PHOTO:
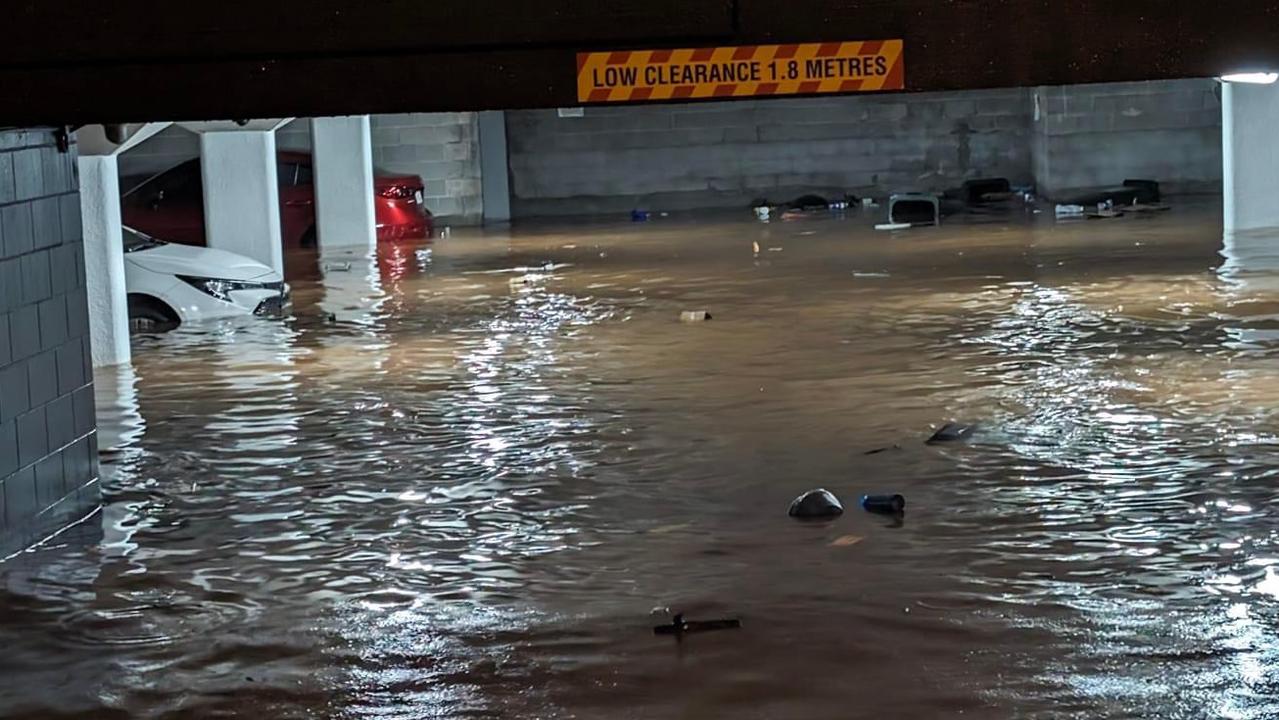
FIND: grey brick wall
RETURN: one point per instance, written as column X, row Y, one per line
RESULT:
column 443, row 148
column 48, row 440
column 725, row 154
column 1093, row 135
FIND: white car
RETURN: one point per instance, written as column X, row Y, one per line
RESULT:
column 169, row 284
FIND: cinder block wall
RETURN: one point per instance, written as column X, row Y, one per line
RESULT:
column 725, row 154
column 443, row 148
column 48, row 441
column 1091, row 135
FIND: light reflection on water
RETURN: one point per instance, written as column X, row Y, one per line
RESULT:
column 457, row 479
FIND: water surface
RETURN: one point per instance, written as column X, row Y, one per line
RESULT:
column 458, row 480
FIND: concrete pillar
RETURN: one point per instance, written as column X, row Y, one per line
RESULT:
column 104, row 254
column 343, row 155
column 242, row 194
column 495, row 181
column 103, row 242
column 1250, row 155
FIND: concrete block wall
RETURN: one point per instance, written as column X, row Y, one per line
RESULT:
column 443, row 148
column 1095, row 135
column 48, row 441
column 725, row 154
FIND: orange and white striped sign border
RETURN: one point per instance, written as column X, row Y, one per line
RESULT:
column 748, row 71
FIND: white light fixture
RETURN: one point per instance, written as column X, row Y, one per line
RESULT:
column 1252, row 78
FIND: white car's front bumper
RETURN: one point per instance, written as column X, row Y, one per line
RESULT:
column 193, row 304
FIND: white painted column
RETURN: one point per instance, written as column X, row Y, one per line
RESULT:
column 1250, row 155
column 104, row 258
column 242, row 194
column 342, row 148
column 495, row 180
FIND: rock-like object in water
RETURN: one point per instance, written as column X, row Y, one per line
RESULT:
column 952, row 432
column 692, row 316
column 816, row 504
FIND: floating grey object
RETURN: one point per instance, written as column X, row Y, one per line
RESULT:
column 816, row 504
column 952, row 432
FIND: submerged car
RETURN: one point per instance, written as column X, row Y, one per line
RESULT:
column 169, row 284
column 171, row 205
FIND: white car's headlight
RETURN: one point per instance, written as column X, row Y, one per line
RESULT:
column 222, row 289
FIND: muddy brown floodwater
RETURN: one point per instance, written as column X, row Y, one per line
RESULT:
column 464, row 493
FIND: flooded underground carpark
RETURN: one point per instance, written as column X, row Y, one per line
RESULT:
column 957, row 410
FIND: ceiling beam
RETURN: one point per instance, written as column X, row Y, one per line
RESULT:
column 481, row 54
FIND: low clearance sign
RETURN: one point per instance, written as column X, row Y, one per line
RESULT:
column 750, row 71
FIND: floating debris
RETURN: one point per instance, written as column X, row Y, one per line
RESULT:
column 680, row 626
column 818, row 503
column 952, row 432
column 884, row 504
column 846, row 541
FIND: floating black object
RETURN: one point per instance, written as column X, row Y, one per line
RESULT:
column 808, row 202
column 976, row 192
column 952, row 432
column 914, row 209
column 1147, row 190
column 884, row 504
column 680, row 626
column 1132, row 191
column 816, row 504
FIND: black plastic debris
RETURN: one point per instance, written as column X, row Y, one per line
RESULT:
column 808, row 203
column 1147, row 190
column 884, row 504
column 986, row 190
column 679, row 626
column 818, row 503
column 914, row 209
column 952, row 432
column 1132, row 192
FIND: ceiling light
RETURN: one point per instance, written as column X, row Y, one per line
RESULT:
column 1253, row 78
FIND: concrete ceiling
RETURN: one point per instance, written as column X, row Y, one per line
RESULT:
column 139, row 60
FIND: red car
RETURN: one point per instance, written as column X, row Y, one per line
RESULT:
column 171, row 205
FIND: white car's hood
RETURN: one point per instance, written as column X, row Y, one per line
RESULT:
column 174, row 259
